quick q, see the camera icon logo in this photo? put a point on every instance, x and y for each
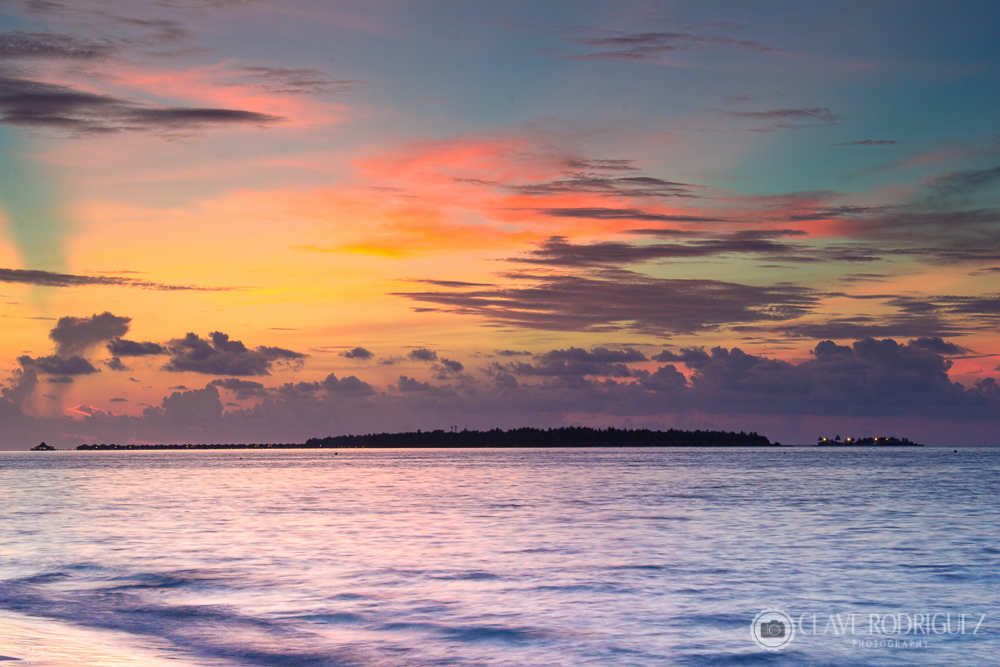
(772, 629)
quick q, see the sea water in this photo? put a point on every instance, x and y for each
(499, 557)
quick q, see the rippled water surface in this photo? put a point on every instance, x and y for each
(497, 557)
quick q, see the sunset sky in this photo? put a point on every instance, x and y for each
(240, 221)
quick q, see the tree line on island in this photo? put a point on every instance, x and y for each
(570, 436)
(880, 441)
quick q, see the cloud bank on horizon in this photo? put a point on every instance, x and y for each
(664, 215)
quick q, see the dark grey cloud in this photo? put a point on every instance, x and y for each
(452, 283)
(297, 390)
(556, 251)
(423, 354)
(218, 355)
(601, 213)
(785, 119)
(348, 385)
(130, 348)
(652, 46)
(663, 379)
(115, 364)
(295, 80)
(41, 105)
(858, 385)
(25, 380)
(863, 278)
(57, 365)
(409, 385)
(357, 353)
(53, 279)
(868, 142)
(613, 165)
(513, 353)
(840, 212)
(869, 377)
(46, 45)
(450, 366)
(616, 300)
(621, 186)
(820, 114)
(965, 182)
(936, 233)
(938, 345)
(893, 325)
(985, 306)
(577, 362)
(118, 399)
(194, 407)
(242, 389)
(76, 334)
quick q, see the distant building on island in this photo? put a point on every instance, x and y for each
(881, 441)
(43, 448)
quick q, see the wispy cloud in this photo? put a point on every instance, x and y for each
(45, 45)
(607, 45)
(618, 300)
(786, 119)
(294, 80)
(868, 142)
(53, 279)
(37, 104)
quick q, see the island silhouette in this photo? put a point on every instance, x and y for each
(880, 441)
(568, 437)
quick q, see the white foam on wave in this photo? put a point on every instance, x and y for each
(29, 641)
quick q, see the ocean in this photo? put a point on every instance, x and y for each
(513, 557)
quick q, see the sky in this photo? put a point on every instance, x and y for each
(254, 221)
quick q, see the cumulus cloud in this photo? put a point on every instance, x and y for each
(242, 388)
(347, 385)
(871, 384)
(447, 368)
(451, 365)
(409, 385)
(218, 355)
(423, 354)
(130, 348)
(358, 353)
(24, 383)
(193, 407)
(58, 366)
(76, 334)
(871, 376)
(577, 361)
(115, 364)
(936, 344)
